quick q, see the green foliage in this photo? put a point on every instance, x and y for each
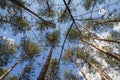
(114, 35)
(52, 71)
(68, 55)
(12, 78)
(68, 75)
(53, 64)
(48, 13)
(73, 35)
(112, 62)
(20, 17)
(21, 22)
(96, 63)
(7, 50)
(30, 48)
(80, 52)
(3, 3)
(87, 4)
(20, 25)
(2, 71)
(25, 74)
(64, 16)
(53, 37)
(47, 9)
(46, 25)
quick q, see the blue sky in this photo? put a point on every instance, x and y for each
(63, 27)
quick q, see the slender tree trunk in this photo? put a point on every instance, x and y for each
(46, 65)
(83, 74)
(115, 41)
(13, 66)
(105, 77)
(114, 55)
(78, 66)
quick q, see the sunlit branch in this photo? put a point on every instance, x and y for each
(94, 67)
(114, 55)
(97, 38)
(13, 66)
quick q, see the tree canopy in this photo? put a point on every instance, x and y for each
(59, 39)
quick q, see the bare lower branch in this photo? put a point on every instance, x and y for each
(27, 9)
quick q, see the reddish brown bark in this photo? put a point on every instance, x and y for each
(46, 65)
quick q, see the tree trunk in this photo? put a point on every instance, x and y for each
(78, 66)
(114, 55)
(13, 66)
(114, 41)
(83, 74)
(105, 77)
(46, 65)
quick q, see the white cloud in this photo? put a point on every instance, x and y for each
(101, 11)
(116, 27)
(8, 40)
(11, 41)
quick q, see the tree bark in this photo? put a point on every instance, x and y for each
(13, 66)
(115, 41)
(83, 74)
(46, 65)
(114, 55)
(97, 69)
(78, 66)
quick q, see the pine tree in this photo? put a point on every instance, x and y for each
(52, 33)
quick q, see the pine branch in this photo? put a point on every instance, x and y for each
(27, 9)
